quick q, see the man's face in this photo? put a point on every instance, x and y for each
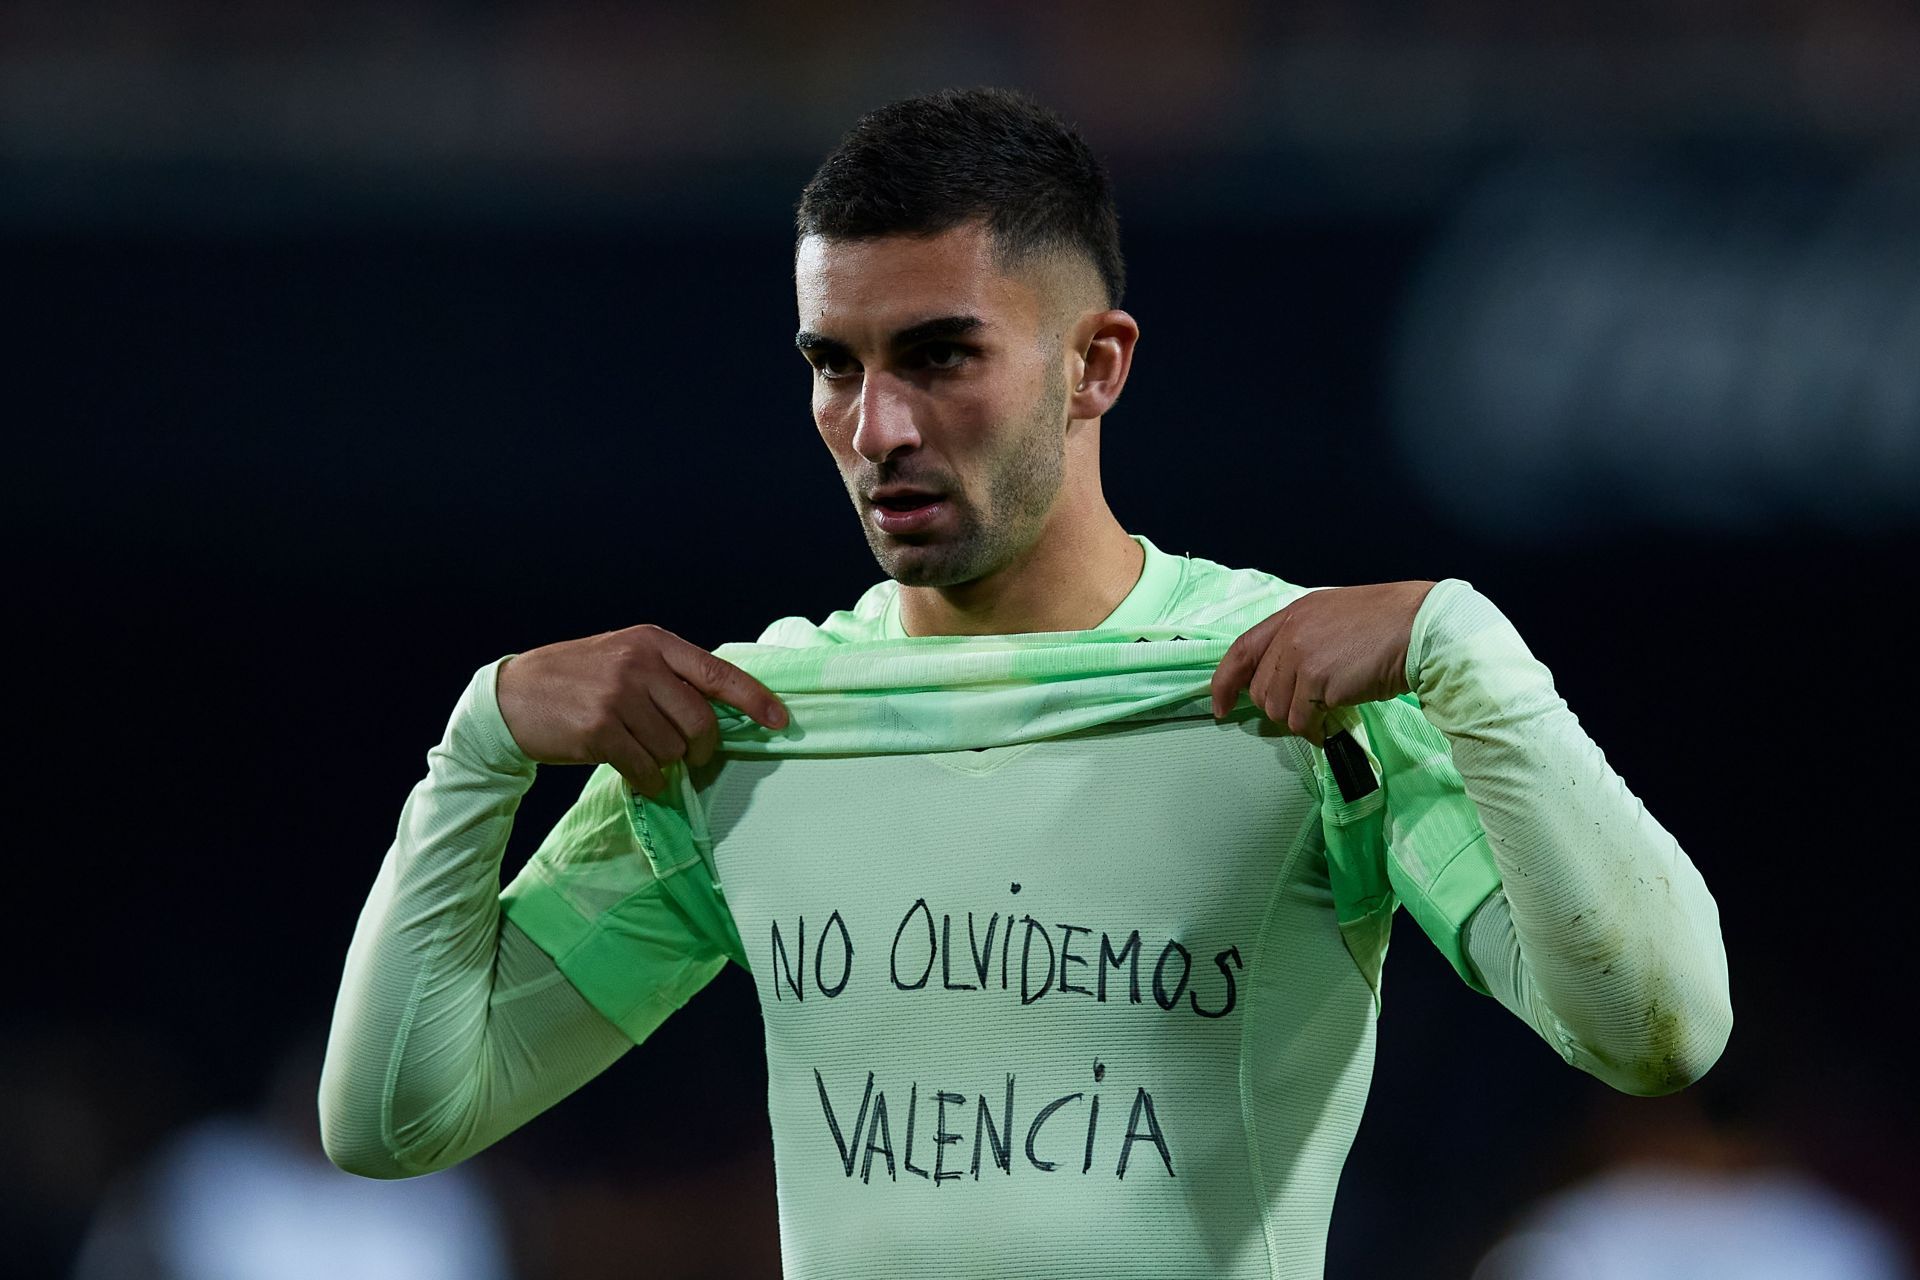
(936, 374)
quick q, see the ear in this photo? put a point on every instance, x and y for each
(1102, 355)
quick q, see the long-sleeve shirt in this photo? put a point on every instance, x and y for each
(1162, 1078)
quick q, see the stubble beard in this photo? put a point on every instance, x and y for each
(993, 529)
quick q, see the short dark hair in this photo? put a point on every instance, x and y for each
(923, 165)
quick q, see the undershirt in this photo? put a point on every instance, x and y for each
(1071, 1006)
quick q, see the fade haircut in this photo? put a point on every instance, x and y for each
(924, 165)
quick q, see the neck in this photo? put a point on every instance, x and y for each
(1074, 575)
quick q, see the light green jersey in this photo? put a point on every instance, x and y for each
(1096, 998)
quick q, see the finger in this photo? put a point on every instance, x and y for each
(658, 736)
(1307, 711)
(690, 714)
(1272, 684)
(620, 749)
(718, 678)
(1238, 663)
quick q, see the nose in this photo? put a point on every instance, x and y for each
(885, 425)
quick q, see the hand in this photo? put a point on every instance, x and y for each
(636, 699)
(1334, 647)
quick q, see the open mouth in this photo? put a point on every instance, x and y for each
(909, 512)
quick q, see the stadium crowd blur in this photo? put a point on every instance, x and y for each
(356, 345)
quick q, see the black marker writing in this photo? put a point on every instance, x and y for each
(993, 1135)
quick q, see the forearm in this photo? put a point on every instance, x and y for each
(1604, 936)
(450, 1030)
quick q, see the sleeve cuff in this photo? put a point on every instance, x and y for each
(1466, 663)
(1441, 606)
(479, 714)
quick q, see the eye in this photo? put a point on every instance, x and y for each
(834, 365)
(943, 355)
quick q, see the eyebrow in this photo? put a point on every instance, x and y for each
(941, 327)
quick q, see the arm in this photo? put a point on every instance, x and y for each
(1603, 937)
(452, 1028)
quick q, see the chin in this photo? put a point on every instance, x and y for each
(924, 565)
(911, 567)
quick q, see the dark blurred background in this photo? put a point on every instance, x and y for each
(356, 345)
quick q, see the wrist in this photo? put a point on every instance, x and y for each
(494, 738)
(1430, 641)
(1468, 666)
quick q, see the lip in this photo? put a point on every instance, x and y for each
(885, 492)
(911, 521)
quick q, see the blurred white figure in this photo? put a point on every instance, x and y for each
(243, 1197)
(1661, 1221)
